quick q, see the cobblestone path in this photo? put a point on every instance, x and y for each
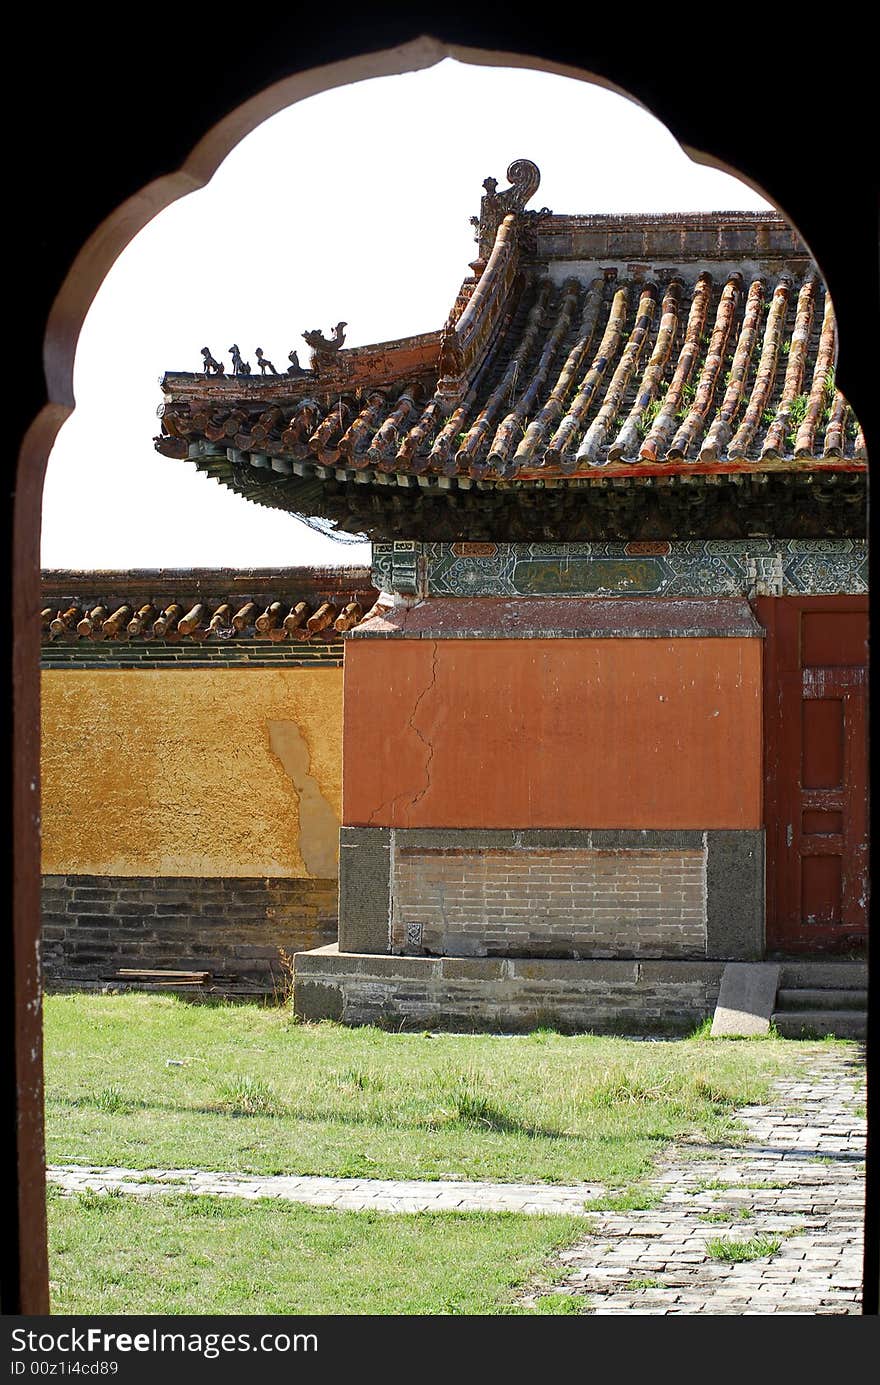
(799, 1177)
(353, 1194)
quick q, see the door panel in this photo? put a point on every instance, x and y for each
(816, 773)
(821, 890)
(832, 638)
(822, 727)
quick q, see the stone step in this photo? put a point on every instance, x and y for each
(837, 975)
(812, 1024)
(821, 998)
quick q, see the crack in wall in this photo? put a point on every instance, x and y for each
(427, 744)
(390, 803)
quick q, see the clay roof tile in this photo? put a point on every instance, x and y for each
(582, 352)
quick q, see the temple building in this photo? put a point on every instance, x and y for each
(601, 723)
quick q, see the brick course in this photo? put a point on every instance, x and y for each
(554, 902)
(94, 925)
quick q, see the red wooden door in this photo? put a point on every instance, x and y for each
(816, 799)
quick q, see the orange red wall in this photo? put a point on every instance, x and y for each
(623, 733)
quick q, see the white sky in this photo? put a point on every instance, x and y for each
(352, 205)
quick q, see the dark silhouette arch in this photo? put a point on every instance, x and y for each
(122, 132)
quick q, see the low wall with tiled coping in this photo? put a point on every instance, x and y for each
(95, 925)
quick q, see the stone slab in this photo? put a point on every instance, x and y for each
(735, 894)
(364, 889)
(746, 999)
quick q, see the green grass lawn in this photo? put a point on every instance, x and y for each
(182, 1254)
(148, 1080)
(153, 1081)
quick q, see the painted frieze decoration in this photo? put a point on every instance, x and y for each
(706, 567)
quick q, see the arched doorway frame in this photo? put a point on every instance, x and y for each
(25, 1271)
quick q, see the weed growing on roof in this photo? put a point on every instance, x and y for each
(828, 392)
(796, 414)
(647, 419)
(688, 393)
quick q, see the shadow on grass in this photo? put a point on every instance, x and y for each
(488, 1118)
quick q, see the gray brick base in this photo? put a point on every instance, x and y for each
(568, 893)
(233, 927)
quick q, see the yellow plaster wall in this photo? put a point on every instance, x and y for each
(211, 772)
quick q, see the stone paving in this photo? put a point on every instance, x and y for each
(797, 1178)
(353, 1194)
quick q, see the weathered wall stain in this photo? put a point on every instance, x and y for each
(318, 820)
(150, 772)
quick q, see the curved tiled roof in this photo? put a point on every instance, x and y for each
(591, 367)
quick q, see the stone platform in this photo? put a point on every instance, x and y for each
(509, 994)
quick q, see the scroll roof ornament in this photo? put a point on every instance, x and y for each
(525, 178)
